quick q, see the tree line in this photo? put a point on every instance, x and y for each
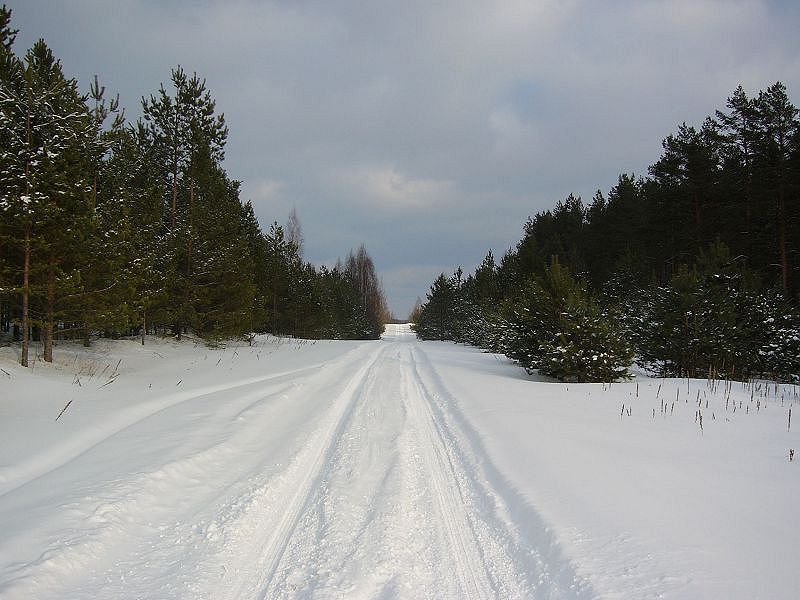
(694, 269)
(115, 228)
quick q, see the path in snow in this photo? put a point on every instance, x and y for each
(358, 479)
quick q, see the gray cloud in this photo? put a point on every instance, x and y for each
(429, 131)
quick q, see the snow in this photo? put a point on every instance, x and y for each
(385, 469)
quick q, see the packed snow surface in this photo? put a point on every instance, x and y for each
(385, 469)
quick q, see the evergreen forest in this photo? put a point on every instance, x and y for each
(691, 271)
(116, 228)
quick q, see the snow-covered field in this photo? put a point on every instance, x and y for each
(386, 469)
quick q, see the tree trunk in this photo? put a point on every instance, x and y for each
(174, 195)
(50, 313)
(144, 324)
(697, 219)
(274, 313)
(784, 255)
(26, 269)
(94, 192)
(175, 163)
(189, 233)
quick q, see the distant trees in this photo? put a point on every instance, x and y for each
(295, 231)
(108, 228)
(550, 323)
(361, 274)
(416, 311)
(695, 267)
(435, 320)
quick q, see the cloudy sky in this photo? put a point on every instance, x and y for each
(429, 131)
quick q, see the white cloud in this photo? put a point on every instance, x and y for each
(698, 15)
(515, 138)
(404, 281)
(460, 117)
(387, 188)
(267, 190)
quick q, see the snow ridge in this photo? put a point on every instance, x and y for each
(295, 490)
(15, 476)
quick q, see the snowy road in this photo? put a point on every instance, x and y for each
(354, 478)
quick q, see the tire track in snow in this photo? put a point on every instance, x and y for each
(226, 434)
(370, 529)
(391, 496)
(518, 546)
(291, 495)
(473, 579)
(399, 510)
(14, 477)
(325, 525)
(101, 520)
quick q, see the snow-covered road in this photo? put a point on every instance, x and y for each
(385, 469)
(353, 478)
(383, 501)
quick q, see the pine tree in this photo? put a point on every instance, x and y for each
(738, 137)
(259, 254)
(9, 65)
(7, 35)
(776, 148)
(222, 269)
(280, 255)
(435, 321)
(678, 262)
(43, 178)
(553, 326)
(190, 138)
(133, 179)
(688, 174)
(95, 295)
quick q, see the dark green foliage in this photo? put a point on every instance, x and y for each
(343, 315)
(779, 354)
(587, 347)
(697, 264)
(559, 330)
(712, 321)
(108, 229)
(7, 35)
(551, 324)
(436, 317)
(48, 136)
